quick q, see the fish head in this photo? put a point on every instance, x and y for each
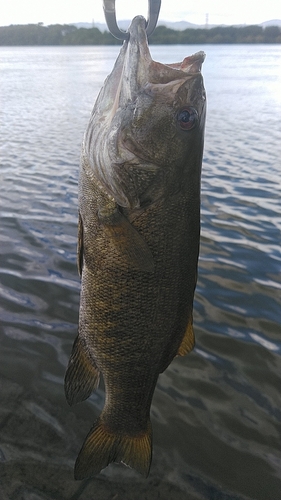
(145, 137)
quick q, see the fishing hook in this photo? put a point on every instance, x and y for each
(110, 16)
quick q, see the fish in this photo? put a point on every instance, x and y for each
(138, 245)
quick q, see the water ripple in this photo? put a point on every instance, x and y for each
(216, 413)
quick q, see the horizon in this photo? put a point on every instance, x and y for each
(93, 23)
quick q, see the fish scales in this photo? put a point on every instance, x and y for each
(138, 244)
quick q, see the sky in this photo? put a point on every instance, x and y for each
(70, 11)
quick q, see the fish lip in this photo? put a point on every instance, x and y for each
(139, 68)
(137, 29)
(137, 60)
(191, 64)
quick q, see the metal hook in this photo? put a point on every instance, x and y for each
(110, 16)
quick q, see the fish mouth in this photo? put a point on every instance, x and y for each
(136, 70)
(114, 139)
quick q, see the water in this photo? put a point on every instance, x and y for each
(216, 413)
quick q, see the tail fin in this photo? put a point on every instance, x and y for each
(101, 447)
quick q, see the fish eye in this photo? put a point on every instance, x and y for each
(187, 118)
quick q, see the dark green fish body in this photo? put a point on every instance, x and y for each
(139, 228)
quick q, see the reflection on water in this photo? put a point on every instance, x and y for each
(216, 413)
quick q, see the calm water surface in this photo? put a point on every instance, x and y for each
(216, 413)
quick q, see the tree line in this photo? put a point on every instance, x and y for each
(57, 34)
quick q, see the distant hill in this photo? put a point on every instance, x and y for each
(124, 24)
(273, 22)
(179, 25)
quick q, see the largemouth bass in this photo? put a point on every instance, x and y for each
(138, 244)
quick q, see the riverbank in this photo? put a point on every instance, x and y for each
(57, 34)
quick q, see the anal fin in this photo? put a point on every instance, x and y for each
(101, 447)
(188, 340)
(82, 376)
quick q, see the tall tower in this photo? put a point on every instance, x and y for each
(207, 22)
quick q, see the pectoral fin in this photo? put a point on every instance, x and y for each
(188, 340)
(126, 239)
(82, 376)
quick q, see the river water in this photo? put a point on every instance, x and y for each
(216, 413)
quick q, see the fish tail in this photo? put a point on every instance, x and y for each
(101, 447)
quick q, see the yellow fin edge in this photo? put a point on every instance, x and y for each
(101, 447)
(188, 340)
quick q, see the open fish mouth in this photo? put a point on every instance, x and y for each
(135, 70)
(123, 115)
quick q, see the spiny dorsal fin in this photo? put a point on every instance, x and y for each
(101, 447)
(82, 376)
